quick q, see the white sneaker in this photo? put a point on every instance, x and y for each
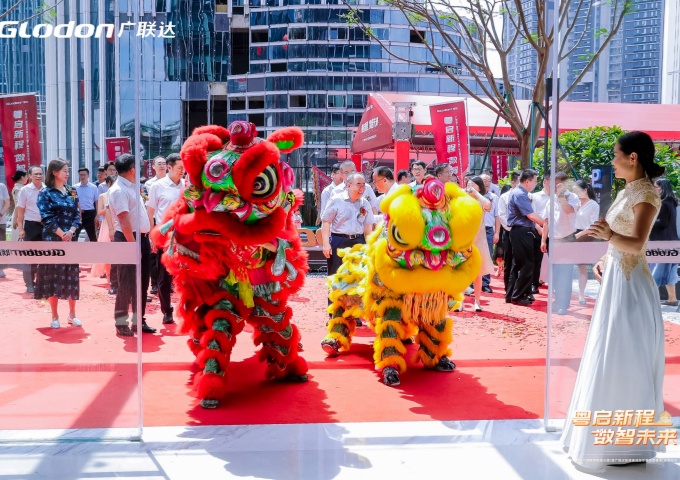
(469, 291)
(477, 307)
(74, 321)
(55, 323)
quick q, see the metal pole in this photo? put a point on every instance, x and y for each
(553, 154)
(138, 249)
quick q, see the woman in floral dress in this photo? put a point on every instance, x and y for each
(58, 205)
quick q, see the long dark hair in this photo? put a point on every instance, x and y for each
(642, 144)
(585, 186)
(666, 190)
(54, 166)
(18, 175)
(480, 183)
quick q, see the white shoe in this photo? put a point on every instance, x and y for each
(55, 323)
(74, 321)
(469, 291)
(477, 307)
(460, 307)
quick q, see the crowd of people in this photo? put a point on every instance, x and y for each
(48, 208)
(514, 237)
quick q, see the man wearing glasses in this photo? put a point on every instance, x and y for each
(418, 170)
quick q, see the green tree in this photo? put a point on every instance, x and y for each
(478, 31)
(595, 146)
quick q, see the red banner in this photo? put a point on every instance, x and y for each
(116, 146)
(499, 167)
(375, 129)
(20, 134)
(451, 136)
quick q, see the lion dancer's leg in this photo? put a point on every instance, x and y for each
(279, 339)
(341, 328)
(216, 342)
(434, 340)
(388, 347)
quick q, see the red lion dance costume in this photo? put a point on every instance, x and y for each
(234, 252)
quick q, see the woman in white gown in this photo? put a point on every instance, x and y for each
(623, 361)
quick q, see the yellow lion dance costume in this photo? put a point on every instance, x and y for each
(407, 277)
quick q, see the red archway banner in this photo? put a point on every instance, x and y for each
(20, 134)
(451, 136)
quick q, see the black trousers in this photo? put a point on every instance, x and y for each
(32, 233)
(127, 285)
(523, 242)
(337, 243)
(88, 218)
(507, 260)
(164, 284)
(155, 262)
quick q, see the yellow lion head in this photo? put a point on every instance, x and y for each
(426, 245)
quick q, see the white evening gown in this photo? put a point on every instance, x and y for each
(623, 360)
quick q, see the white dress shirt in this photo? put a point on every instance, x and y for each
(162, 194)
(503, 209)
(368, 195)
(125, 197)
(326, 195)
(587, 214)
(346, 217)
(28, 200)
(565, 223)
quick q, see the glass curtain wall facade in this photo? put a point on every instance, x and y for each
(22, 61)
(89, 86)
(305, 66)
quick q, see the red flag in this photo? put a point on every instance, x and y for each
(451, 136)
(20, 134)
(116, 146)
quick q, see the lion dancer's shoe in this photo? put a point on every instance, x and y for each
(340, 331)
(434, 340)
(216, 344)
(280, 342)
(388, 347)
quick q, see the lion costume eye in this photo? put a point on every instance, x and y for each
(216, 169)
(266, 182)
(397, 236)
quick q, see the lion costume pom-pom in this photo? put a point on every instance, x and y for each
(234, 252)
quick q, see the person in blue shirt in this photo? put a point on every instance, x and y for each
(60, 213)
(523, 239)
(87, 199)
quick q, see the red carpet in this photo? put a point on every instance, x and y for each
(73, 378)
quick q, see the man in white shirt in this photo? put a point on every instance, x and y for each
(162, 195)
(160, 166)
(492, 225)
(493, 188)
(28, 219)
(348, 168)
(4, 207)
(418, 171)
(444, 173)
(565, 205)
(505, 234)
(87, 199)
(539, 200)
(347, 220)
(383, 179)
(337, 178)
(129, 220)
